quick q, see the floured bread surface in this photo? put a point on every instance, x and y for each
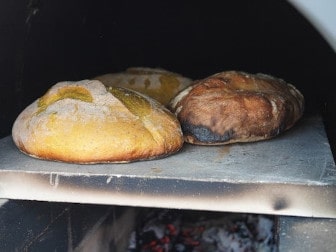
(235, 106)
(86, 122)
(157, 83)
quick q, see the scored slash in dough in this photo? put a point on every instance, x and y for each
(87, 122)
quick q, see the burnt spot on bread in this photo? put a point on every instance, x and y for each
(204, 134)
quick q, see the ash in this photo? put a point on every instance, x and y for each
(163, 230)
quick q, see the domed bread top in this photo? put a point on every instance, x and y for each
(86, 122)
(232, 106)
(157, 83)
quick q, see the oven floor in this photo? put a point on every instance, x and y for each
(293, 174)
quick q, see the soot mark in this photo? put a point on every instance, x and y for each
(204, 134)
(280, 204)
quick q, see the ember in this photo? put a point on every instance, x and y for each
(177, 230)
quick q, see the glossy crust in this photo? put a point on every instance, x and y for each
(157, 83)
(232, 106)
(86, 122)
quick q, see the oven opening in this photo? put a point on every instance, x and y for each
(288, 190)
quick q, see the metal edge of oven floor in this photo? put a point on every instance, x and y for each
(293, 174)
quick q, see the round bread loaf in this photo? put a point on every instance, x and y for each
(233, 106)
(157, 83)
(87, 122)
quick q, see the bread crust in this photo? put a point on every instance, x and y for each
(160, 84)
(234, 106)
(86, 122)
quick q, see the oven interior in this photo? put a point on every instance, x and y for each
(43, 42)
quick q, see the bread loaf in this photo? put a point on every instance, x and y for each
(157, 83)
(86, 122)
(233, 106)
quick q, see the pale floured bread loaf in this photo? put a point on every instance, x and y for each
(235, 106)
(157, 83)
(87, 122)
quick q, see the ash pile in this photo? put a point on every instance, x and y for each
(163, 230)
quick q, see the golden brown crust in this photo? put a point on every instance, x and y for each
(235, 106)
(85, 122)
(157, 83)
